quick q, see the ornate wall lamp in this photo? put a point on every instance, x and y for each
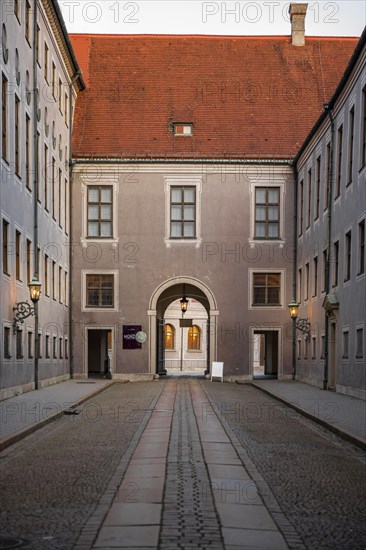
(302, 324)
(23, 310)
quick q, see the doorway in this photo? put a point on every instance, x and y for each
(100, 352)
(265, 354)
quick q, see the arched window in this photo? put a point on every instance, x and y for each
(194, 338)
(169, 336)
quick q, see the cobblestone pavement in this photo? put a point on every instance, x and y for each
(51, 482)
(317, 479)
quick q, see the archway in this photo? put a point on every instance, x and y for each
(162, 297)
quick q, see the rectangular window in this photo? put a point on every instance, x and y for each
(60, 278)
(345, 344)
(60, 198)
(28, 21)
(47, 347)
(181, 129)
(317, 189)
(66, 206)
(38, 261)
(315, 276)
(307, 275)
(299, 349)
(267, 212)
(359, 343)
(100, 211)
(60, 95)
(339, 161)
(19, 344)
(53, 189)
(66, 349)
(100, 291)
(327, 176)
(336, 263)
(301, 207)
(54, 347)
(30, 345)
(7, 354)
(183, 212)
(60, 350)
(27, 152)
(28, 260)
(38, 53)
(4, 100)
(363, 130)
(66, 112)
(347, 256)
(5, 247)
(46, 177)
(54, 83)
(361, 247)
(323, 347)
(53, 279)
(306, 348)
(313, 347)
(299, 286)
(325, 268)
(66, 289)
(39, 345)
(266, 289)
(46, 283)
(45, 65)
(17, 136)
(308, 217)
(17, 255)
(351, 137)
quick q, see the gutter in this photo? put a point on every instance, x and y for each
(93, 160)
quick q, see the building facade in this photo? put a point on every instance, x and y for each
(40, 81)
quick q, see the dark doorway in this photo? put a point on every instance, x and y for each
(99, 352)
(265, 354)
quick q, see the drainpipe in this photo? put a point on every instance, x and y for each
(35, 194)
(294, 269)
(70, 163)
(328, 108)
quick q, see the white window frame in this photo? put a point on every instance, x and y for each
(253, 184)
(113, 272)
(97, 180)
(182, 181)
(282, 272)
(346, 330)
(358, 327)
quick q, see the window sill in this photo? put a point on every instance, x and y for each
(195, 241)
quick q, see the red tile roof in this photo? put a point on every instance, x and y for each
(247, 97)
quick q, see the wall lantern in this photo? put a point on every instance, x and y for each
(23, 310)
(302, 324)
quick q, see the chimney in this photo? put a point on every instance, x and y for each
(297, 16)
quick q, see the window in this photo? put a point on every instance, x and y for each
(317, 189)
(66, 110)
(183, 129)
(46, 177)
(313, 347)
(28, 21)
(306, 348)
(322, 355)
(169, 337)
(60, 284)
(336, 262)
(266, 289)
(183, 213)
(327, 186)
(17, 9)
(66, 290)
(19, 344)
(53, 83)
(28, 260)
(309, 199)
(60, 95)
(301, 207)
(38, 53)
(100, 291)
(7, 354)
(299, 348)
(53, 198)
(345, 344)
(60, 350)
(339, 161)
(6, 247)
(53, 279)
(194, 338)
(4, 100)
(325, 270)
(307, 275)
(359, 343)
(54, 347)
(351, 136)
(47, 346)
(347, 256)
(66, 348)
(27, 152)
(299, 289)
(38, 146)
(66, 206)
(267, 212)
(17, 255)
(46, 287)
(45, 66)
(30, 345)
(39, 345)
(60, 198)
(17, 135)
(100, 211)
(315, 276)
(361, 247)
(363, 130)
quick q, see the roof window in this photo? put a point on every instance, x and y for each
(183, 129)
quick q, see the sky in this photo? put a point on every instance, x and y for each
(324, 18)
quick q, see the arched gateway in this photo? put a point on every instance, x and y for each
(163, 296)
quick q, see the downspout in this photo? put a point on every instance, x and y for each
(35, 194)
(70, 166)
(328, 108)
(294, 268)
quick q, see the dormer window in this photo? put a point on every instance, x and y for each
(183, 129)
